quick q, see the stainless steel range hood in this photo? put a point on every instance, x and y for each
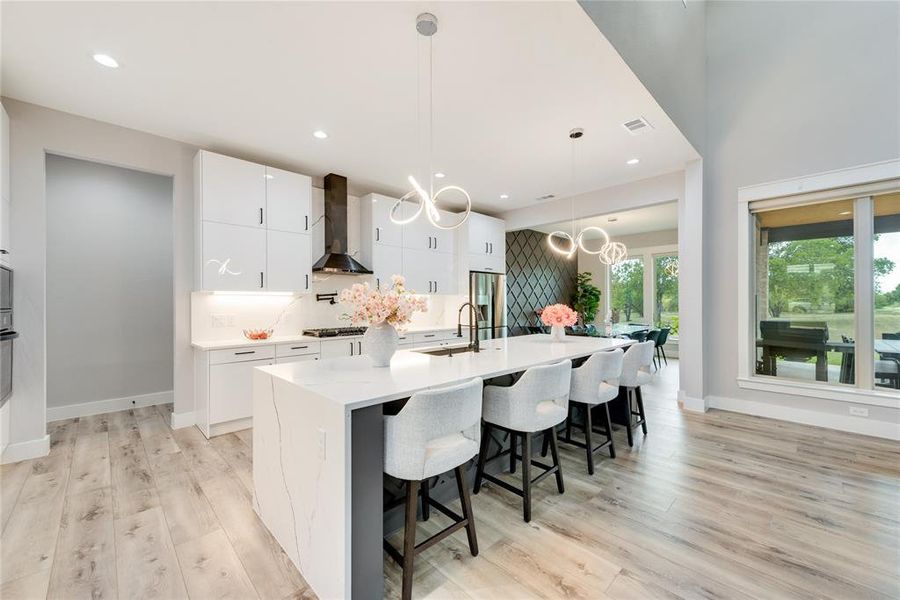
(336, 260)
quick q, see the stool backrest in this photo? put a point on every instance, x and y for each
(637, 357)
(600, 367)
(519, 402)
(427, 416)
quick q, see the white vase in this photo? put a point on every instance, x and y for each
(557, 333)
(381, 342)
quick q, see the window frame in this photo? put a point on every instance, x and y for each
(859, 184)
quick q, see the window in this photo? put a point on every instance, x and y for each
(886, 290)
(825, 301)
(626, 282)
(665, 291)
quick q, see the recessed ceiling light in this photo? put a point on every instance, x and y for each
(633, 161)
(319, 134)
(106, 60)
(504, 196)
(269, 176)
(612, 219)
(439, 175)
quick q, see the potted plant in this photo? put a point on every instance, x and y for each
(558, 317)
(587, 298)
(382, 312)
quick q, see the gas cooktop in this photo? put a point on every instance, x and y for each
(334, 331)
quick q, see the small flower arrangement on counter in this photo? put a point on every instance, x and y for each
(382, 312)
(558, 317)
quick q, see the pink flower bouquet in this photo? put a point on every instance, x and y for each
(559, 315)
(370, 306)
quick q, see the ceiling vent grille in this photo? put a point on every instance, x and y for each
(545, 197)
(637, 126)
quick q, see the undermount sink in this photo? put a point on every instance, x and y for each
(446, 350)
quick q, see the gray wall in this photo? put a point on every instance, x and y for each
(109, 282)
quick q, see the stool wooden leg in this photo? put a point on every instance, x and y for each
(466, 503)
(409, 537)
(426, 506)
(526, 476)
(630, 418)
(612, 445)
(640, 404)
(482, 456)
(554, 450)
(587, 439)
(545, 445)
(569, 424)
(512, 452)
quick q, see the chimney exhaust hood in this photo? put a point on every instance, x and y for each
(336, 260)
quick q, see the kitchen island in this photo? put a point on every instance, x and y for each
(318, 448)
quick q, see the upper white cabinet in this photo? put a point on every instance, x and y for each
(386, 262)
(4, 186)
(429, 272)
(288, 263)
(288, 199)
(483, 244)
(376, 227)
(233, 257)
(252, 226)
(231, 190)
(422, 235)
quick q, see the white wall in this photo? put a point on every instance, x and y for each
(34, 131)
(109, 282)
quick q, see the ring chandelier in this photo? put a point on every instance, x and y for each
(609, 253)
(426, 26)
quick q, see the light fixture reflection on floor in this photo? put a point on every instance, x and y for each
(427, 25)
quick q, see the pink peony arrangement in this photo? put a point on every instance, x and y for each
(559, 315)
(371, 306)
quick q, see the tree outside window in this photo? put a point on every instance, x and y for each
(627, 291)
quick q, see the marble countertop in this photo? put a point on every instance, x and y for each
(354, 383)
(242, 342)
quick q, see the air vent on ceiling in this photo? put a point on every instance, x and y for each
(637, 126)
(545, 197)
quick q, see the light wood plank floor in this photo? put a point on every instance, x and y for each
(719, 505)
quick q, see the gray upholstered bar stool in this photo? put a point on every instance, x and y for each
(435, 432)
(590, 388)
(537, 402)
(635, 373)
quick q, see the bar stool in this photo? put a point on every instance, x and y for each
(537, 402)
(435, 432)
(590, 389)
(636, 372)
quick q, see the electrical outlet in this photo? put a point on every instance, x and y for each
(322, 441)
(859, 411)
(229, 320)
(219, 320)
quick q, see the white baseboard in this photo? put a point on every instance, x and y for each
(851, 424)
(55, 413)
(185, 419)
(692, 404)
(26, 450)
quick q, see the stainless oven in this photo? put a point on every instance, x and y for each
(7, 334)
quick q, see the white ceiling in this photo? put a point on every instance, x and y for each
(256, 79)
(659, 217)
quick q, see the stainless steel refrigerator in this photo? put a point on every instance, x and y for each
(487, 291)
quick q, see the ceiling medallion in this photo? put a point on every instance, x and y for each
(426, 26)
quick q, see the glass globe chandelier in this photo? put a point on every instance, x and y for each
(426, 200)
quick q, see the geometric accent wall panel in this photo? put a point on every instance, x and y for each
(535, 277)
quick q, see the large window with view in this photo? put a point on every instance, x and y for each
(826, 299)
(665, 292)
(626, 291)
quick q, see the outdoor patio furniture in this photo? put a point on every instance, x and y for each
(796, 341)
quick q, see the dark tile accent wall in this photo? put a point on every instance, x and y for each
(535, 277)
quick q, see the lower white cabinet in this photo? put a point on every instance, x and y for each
(342, 347)
(231, 390)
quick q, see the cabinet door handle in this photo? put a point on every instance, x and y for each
(299, 347)
(306, 223)
(435, 287)
(429, 287)
(260, 216)
(378, 234)
(429, 242)
(351, 348)
(260, 279)
(485, 247)
(307, 281)
(359, 347)
(245, 352)
(429, 335)
(488, 269)
(435, 243)
(377, 283)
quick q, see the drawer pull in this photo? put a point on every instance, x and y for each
(245, 352)
(429, 335)
(299, 347)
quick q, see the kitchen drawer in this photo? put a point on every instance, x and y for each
(434, 336)
(296, 349)
(281, 360)
(218, 357)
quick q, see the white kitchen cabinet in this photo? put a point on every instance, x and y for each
(339, 347)
(382, 229)
(485, 236)
(293, 359)
(288, 200)
(422, 235)
(232, 190)
(429, 272)
(288, 262)
(231, 390)
(386, 262)
(233, 257)
(4, 186)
